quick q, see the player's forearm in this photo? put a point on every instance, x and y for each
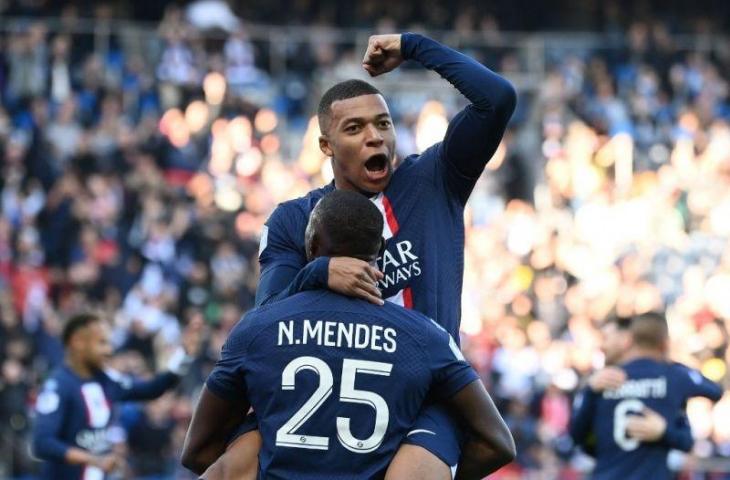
(278, 283)
(678, 436)
(490, 445)
(201, 460)
(50, 448)
(474, 133)
(479, 460)
(484, 88)
(151, 389)
(79, 456)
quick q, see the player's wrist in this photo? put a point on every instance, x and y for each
(95, 461)
(408, 40)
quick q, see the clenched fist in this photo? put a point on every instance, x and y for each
(383, 54)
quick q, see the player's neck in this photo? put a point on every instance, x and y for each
(78, 367)
(345, 185)
(635, 353)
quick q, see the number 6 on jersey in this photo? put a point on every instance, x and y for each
(286, 436)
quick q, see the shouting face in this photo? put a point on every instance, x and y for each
(360, 138)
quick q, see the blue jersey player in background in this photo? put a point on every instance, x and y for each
(338, 382)
(629, 420)
(75, 406)
(422, 202)
(650, 426)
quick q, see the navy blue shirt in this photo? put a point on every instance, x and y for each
(76, 412)
(336, 382)
(662, 386)
(423, 205)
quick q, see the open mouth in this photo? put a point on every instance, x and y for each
(377, 163)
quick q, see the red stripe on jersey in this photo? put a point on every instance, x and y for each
(390, 216)
(407, 297)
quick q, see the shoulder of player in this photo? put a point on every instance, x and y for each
(683, 371)
(56, 380)
(413, 161)
(413, 322)
(60, 378)
(257, 319)
(301, 206)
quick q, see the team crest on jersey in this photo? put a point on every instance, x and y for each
(47, 402)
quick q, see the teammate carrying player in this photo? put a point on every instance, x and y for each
(75, 406)
(422, 202)
(630, 418)
(338, 382)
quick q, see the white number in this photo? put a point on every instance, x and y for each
(348, 393)
(286, 436)
(620, 415)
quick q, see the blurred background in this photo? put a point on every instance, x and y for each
(144, 143)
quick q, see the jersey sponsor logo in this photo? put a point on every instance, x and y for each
(337, 334)
(94, 440)
(399, 264)
(98, 411)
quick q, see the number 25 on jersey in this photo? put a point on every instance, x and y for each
(286, 436)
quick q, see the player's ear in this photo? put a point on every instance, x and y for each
(312, 246)
(325, 146)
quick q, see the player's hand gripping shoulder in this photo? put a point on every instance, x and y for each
(383, 54)
(354, 278)
(609, 378)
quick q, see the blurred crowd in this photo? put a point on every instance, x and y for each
(139, 190)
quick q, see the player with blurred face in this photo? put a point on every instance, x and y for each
(74, 407)
(90, 349)
(615, 340)
(632, 412)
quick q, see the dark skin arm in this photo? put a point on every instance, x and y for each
(213, 420)
(490, 445)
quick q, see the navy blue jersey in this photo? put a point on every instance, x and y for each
(663, 387)
(423, 205)
(335, 382)
(76, 412)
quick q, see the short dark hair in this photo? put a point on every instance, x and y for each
(649, 330)
(341, 91)
(352, 223)
(76, 323)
